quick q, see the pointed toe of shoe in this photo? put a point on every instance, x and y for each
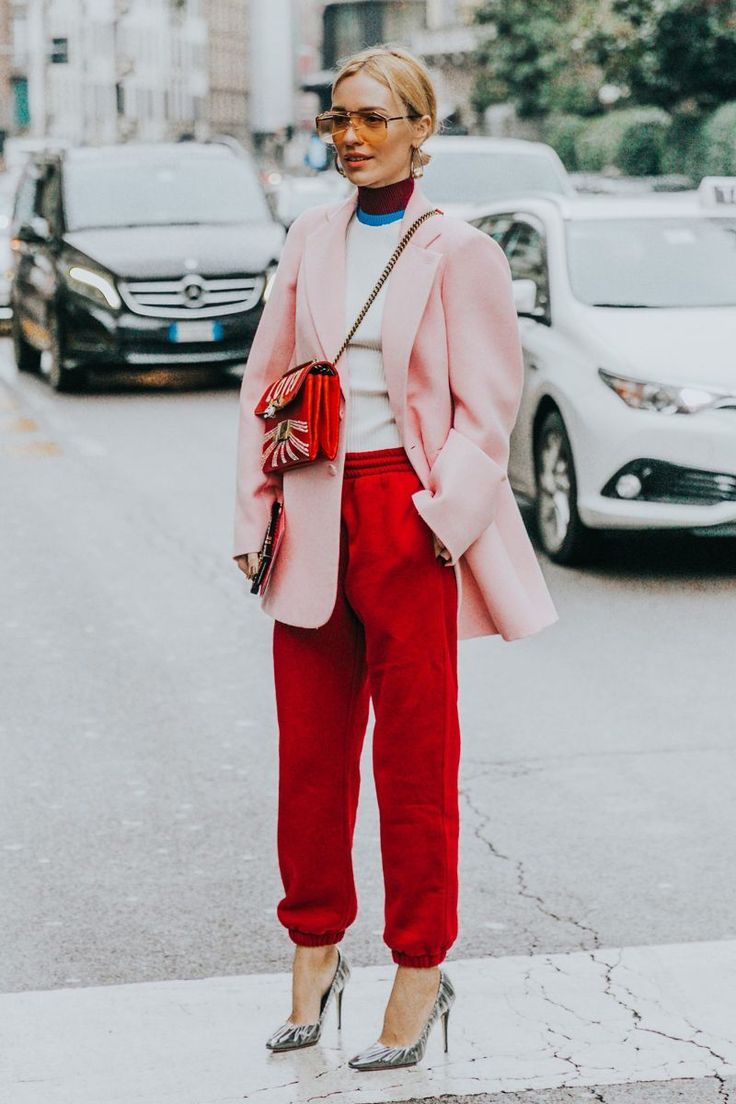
(378, 1057)
(292, 1036)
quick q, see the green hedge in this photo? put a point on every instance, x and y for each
(561, 132)
(632, 139)
(646, 141)
(719, 134)
(685, 149)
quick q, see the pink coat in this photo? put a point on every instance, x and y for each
(454, 373)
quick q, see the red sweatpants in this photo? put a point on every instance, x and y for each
(392, 636)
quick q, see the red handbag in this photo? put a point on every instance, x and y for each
(301, 409)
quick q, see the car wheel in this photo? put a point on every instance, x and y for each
(60, 377)
(563, 536)
(27, 359)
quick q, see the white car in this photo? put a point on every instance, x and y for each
(627, 317)
(467, 173)
(8, 181)
(294, 194)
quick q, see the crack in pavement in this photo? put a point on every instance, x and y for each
(555, 1035)
(521, 879)
(638, 1025)
(477, 832)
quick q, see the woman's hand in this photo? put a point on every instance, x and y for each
(248, 563)
(440, 550)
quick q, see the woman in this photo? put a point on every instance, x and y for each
(409, 539)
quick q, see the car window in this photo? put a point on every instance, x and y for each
(162, 190)
(459, 176)
(653, 262)
(527, 256)
(496, 226)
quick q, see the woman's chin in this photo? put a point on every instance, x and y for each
(363, 172)
(365, 179)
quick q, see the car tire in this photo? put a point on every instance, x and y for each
(562, 535)
(59, 377)
(27, 359)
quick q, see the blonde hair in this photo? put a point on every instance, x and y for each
(403, 74)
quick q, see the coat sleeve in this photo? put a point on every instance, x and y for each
(486, 375)
(270, 355)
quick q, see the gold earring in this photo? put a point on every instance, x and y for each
(417, 169)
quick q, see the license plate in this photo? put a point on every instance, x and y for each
(195, 331)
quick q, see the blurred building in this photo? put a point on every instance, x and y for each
(6, 86)
(110, 70)
(228, 26)
(351, 25)
(447, 44)
(272, 63)
(441, 32)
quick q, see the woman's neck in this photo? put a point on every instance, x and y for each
(387, 198)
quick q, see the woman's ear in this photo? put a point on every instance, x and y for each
(423, 126)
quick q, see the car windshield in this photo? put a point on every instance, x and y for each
(162, 192)
(465, 177)
(653, 262)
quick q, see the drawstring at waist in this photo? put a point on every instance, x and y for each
(375, 461)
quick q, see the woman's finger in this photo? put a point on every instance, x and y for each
(248, 563)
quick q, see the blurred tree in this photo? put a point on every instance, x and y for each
(557, 55)
(522, 58)
(539, 55)
(669, 51)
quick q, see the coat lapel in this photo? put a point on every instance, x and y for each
(406, 290)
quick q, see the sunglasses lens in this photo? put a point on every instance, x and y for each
(325, 128)
(373, 129)
(369, 128)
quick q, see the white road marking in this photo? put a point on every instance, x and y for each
(611, 1016)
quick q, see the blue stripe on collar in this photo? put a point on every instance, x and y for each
(378, 220)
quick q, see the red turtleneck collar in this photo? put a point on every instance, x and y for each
(386, 199)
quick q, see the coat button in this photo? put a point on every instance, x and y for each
(332, 469)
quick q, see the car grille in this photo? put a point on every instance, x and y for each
(192, 296)
(665, 482)
(699, 487)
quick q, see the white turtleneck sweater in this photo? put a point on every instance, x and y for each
(370, 420)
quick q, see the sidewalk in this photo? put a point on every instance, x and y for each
(614, 1016)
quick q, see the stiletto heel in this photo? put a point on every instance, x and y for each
(378, 1056)
(294, 1036)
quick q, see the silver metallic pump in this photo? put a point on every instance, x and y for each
(291, 1036)
(378, 1056)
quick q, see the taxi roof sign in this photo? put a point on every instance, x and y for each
(717, 191)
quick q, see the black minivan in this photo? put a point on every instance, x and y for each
(139, 256)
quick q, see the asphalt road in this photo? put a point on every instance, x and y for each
(138, 742)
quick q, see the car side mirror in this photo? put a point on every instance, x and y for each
(34, 231)
(525, 298)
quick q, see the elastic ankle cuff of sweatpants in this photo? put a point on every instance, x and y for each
(402, 959)
(306, 939)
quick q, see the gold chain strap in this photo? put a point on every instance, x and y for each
(382, 278)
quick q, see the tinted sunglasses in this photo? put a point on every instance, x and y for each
(369, 126)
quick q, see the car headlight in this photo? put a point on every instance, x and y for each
(270, 275)
(95, 285)
(663, 398)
